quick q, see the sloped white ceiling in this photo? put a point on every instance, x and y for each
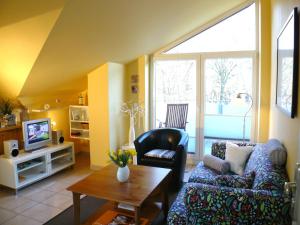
(92, 32)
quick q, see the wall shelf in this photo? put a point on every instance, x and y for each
(79, 122)
(80, 129)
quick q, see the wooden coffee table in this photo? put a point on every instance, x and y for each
(143, 181)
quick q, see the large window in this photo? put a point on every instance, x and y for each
(236, 33)
(207, 72)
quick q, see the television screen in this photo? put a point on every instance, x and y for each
(37, 132)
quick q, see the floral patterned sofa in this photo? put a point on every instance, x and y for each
(200, 201)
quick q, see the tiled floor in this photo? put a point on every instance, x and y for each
(43, 200)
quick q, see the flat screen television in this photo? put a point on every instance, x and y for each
(36, 133)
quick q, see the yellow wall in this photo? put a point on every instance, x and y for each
(58, 113)
(143, 94)
(281, 126)
(99, 115)
(117, 93)
(264, 71)
(139, 67)
(35, 116)
(131, 69)
(106, 92)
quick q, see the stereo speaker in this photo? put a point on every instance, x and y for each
(57, 137)
(11, 148)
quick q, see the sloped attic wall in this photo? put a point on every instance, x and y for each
(21, 40)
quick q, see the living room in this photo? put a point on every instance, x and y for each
(87, 65)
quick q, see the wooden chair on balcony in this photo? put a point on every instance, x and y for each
(176, 116)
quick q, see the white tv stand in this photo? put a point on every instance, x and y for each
(29, 167)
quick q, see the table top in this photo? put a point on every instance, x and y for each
(143, 180)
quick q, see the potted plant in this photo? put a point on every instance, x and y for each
(6, 109)
(121, 158)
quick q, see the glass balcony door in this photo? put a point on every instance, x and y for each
(215, 113)
(175, 82)
(224, 113)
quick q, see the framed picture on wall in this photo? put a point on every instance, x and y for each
(287, 65)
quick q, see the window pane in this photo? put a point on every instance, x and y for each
(236, 33)
(175, 83)
(224, 112)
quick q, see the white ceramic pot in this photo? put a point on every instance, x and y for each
(123, 174)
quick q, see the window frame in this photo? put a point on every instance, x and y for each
(200, 57)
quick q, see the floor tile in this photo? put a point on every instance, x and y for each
(12, 202)
(57, 186)
(41, 212)
(66, 205)
(25, 206)
(40, 196)
(28, 191)
(57, 200)
(22, 220)
(66, 193)
(6, 215)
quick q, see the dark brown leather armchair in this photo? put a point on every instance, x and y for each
(167, 139)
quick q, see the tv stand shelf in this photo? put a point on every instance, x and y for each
(29, 167)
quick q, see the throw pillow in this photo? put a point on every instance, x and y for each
(161, 153)
(236, 181)
(216, 163)
(277, 152)
(237, 157)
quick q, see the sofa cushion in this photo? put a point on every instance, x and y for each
(216, 163)
(161, 153)
(237, 157)
(267, 175)
(235, 181)
(203, 174)
(177, 212)
(158, 162)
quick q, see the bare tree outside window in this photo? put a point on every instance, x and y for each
(175, 86)
(224, 71)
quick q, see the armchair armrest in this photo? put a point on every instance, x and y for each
(208, 203)
(183, 141)
(143, 144)
(181, 148)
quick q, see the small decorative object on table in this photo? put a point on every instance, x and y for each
(132, 109)
(121, 159)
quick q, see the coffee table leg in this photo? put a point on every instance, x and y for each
(137, 215)
(76, 202)
(165, 200)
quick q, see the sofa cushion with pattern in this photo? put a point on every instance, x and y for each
(203, 174)
(218, 149)
(235, 181)
(177, 212)
(267, 176)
